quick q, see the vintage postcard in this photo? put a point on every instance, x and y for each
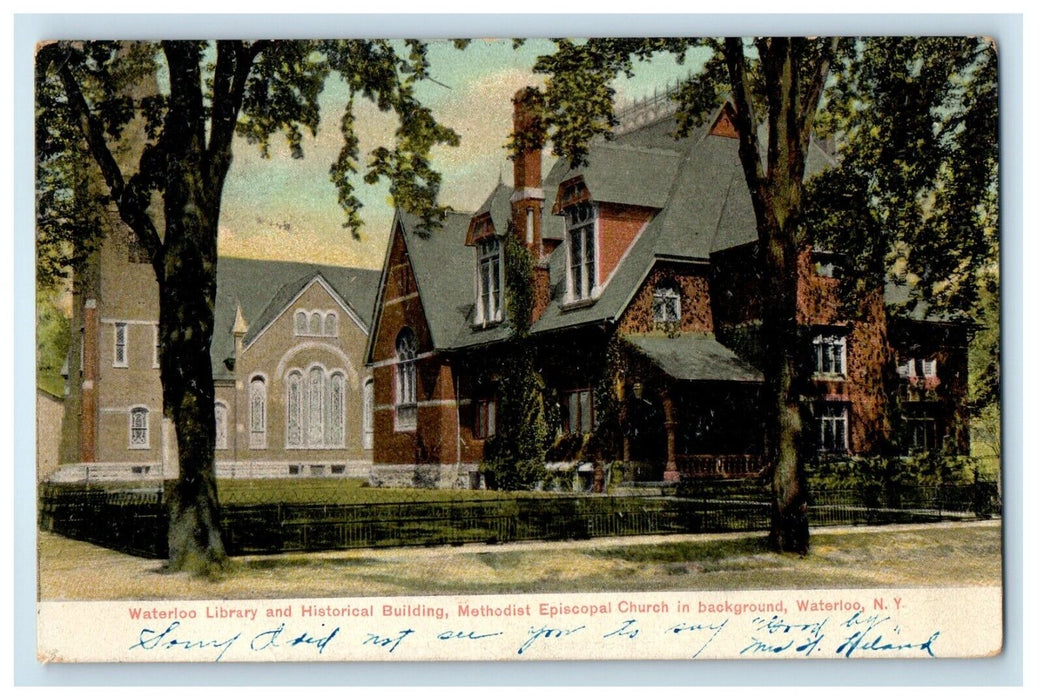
(666, 348)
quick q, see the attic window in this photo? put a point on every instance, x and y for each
(490, 305)
(316, 323)
(580, 271)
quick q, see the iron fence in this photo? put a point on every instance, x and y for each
(135, 521)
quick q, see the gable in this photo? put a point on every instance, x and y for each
(724, 125)
(399, 303)
(315, 299)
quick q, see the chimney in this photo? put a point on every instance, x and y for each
(528, 197)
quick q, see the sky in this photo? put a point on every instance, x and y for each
(282, 208)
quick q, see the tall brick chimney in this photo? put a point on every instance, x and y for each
(528, 197)
(527, 201)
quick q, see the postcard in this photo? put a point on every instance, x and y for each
(378, 350)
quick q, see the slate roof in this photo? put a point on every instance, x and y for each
(263, 288)
(498, 206)
(695, 184)
(622, 173)
(444, 269)
(695, 358)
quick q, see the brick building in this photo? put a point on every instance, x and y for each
(292, 393)
(645, 255)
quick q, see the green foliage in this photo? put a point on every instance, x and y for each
(917, 125)
(514, 457)
(52, 341)
(882, 475)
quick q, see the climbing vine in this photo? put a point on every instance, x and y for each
(514, 457)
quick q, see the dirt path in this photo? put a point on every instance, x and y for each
(955, 554)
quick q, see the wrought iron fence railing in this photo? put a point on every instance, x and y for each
(135, 521)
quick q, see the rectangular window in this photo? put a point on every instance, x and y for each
(830, 354)
(119, 350)
(579, 411)
(921, 434)
(919, 367)
(155, 347)
(833, 428)
(581, 234)
(220, 426)
(485, 418)
(367, 415)
(490, 279)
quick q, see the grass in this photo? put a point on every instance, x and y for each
(326, 491)
(967, 554)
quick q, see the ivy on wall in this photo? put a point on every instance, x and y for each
(514, 457)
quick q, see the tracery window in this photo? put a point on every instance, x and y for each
(406, 380)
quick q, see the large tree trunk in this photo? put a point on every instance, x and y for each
(783, 343)
(188, 285)
(776, 189)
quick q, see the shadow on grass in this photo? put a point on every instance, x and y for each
(685, 552)
(282, 562)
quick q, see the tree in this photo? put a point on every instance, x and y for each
(179, 104)
(781, 83)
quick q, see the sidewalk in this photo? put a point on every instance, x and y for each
(896, 555)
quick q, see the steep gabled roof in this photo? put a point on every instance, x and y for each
(625, 174)
(444, 269)
(498, 206)
(262, 288)
(695, 185)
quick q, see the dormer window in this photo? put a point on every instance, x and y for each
(490, 304)
(580, 230)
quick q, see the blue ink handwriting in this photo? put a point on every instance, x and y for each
(624, 631)
(687, 627)
(546, 633)
(452, 634)
(391, 642)
(860, 640)
(148, 640)
(269, 638)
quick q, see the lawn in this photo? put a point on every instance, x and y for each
(950, 554)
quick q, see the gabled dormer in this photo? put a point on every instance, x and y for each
(605, 206)
(489, 272)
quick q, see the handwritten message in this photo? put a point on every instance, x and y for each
(793, 625)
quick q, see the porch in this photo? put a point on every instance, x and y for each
(692, 405)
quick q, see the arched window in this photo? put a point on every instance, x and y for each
(220, 426)
(315, 323)
(367, 415)
(314, 428)
(335, 412)
(406, 380)
(315, 408)
(300, 323)
(258, 419)
(330, 324)
(666, 303)
(139, 428)
(293, 409)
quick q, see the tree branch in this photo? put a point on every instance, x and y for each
(745, 125)
(128, 198)
(815, 88)
(235, 60)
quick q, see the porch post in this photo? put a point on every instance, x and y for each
(671, 470)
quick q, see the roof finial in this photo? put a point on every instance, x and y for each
(500, 176)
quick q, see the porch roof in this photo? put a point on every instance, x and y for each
(695, 358)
